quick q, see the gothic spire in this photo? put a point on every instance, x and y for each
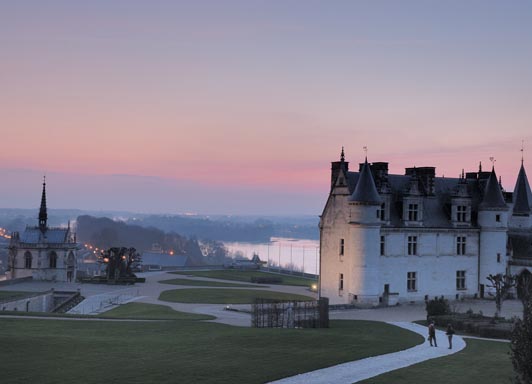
(43, 215)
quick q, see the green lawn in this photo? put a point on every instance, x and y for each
(231, 274)
(205, 283)
(13, 294)
(182, 351)
(225, 296)
(151, 312)
(480, 362)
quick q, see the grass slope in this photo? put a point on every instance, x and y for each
(480, 362)
(236, 275)
(182, 351)
(151, 312)
(205, 283)
(225, 296)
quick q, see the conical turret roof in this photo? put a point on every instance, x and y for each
(492, 193)
(521, 194)
(365, 191)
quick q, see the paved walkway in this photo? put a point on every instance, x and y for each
(359, 370)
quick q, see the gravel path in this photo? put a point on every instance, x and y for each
(359, 370)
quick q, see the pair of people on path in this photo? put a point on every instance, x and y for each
(432, 334)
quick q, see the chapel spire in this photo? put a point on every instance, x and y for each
(43, 214)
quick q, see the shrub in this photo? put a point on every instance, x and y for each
(266, 280)
(437, 307)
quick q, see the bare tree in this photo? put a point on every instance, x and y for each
(119, 262)
(502, 285)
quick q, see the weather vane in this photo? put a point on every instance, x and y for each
(492, 159)
(365, 150)
(522, 150)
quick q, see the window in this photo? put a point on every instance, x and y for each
(461, 245)
(411, 281)
(412, 212)
(342, 243)
(27, 260)
(383, 245)
(498, 257)
(380, 212)
(460, 280)
(498, 218)
(412, 245)
(341, 282)
(461, 212)
(53, 260)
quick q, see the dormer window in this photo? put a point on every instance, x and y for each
(412, 212)
(461, 213)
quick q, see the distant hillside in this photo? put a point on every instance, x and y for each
(106, 233)
(233, 228)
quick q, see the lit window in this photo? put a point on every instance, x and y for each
(460, 280)
(461, 245)
(411, 281)
(412, 245)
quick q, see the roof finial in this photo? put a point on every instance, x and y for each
(480, 167)
(342, 155)
(522, 151)
(365, 148)
(492, 159)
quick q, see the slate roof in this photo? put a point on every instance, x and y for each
(492, 195)
(522, 195)
(365, 190)
(33, 235)
(437, 201)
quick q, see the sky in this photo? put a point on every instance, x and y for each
(239, 107)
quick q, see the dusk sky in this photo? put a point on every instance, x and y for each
(238, 107)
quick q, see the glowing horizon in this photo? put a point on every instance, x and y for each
(252, 96)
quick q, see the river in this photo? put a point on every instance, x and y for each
(293, 254)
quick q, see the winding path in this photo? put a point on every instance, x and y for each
(359, 370)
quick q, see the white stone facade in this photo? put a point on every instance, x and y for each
(388, 238)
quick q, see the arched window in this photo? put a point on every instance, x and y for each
(53, 259)
(27, 260)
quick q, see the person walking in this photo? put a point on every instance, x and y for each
(432, 334)
(450, 333)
